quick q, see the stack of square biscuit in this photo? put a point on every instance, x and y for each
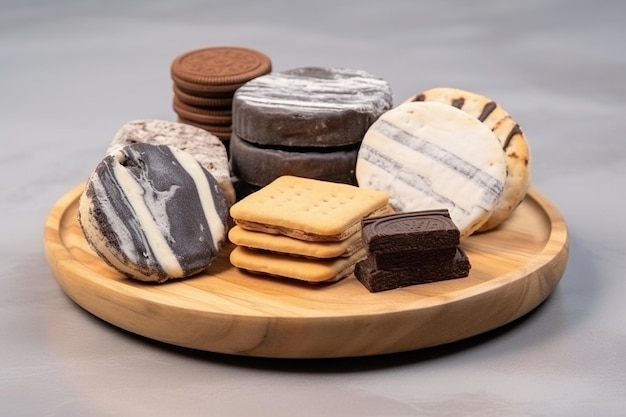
(410, 248)
(303, 229)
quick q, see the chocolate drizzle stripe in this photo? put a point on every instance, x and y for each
(159, 245)
(487, 110)
(492, 186)
(193, 168)
(514, 131)
(458, 102)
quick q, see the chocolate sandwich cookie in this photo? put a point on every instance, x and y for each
(203, 102)
(376, 280)
(259, 165)
(153, 213)
(207, 116)
(309, 107)
(216, 71)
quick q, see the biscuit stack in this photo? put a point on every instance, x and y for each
(406, 249)
(205, 80)
(305, 122)
(302, 229)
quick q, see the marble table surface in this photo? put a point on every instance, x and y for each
(72, 72)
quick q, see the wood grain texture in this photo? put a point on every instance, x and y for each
(514, 269)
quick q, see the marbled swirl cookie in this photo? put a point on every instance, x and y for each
(429, 155)
(208, 149)
(309, 107)
(153, 212)
(512, 141)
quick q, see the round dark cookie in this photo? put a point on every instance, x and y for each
(202, 115)
(257, 165)
(153, 212)
(204, 102)
(309, 107)
(218, 69)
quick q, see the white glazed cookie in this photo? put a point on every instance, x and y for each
(208, 149)
(429, 155)
(512, 141)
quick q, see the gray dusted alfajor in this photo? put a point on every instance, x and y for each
(305, 121)
(153, 213)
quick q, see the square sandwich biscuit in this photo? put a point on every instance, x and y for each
(295, 247)
(309, 209)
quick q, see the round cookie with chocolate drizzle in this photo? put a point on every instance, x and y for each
(510, 135)
(153, 212)
(429, 155)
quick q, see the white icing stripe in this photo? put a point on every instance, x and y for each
(193, 168)
(161, 249)
(288, 90)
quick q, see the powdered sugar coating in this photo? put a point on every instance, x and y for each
(309, 106)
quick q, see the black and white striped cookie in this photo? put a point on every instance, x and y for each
(309, 107)
(153, 212)
(430, 155)
(512, 140)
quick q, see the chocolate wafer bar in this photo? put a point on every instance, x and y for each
(410, 248)
(411, 258)
(413, 231)
(376, 280)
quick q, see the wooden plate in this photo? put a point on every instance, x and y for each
(514, 269)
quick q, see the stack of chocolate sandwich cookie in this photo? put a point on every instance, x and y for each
(306, 122)
(302, 229)
(205, 81)
(406, 249)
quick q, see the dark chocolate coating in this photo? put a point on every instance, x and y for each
(309, 107)
(256, 165)
(176, 212)
(410, 258)
(376, 280)
(410, 231)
